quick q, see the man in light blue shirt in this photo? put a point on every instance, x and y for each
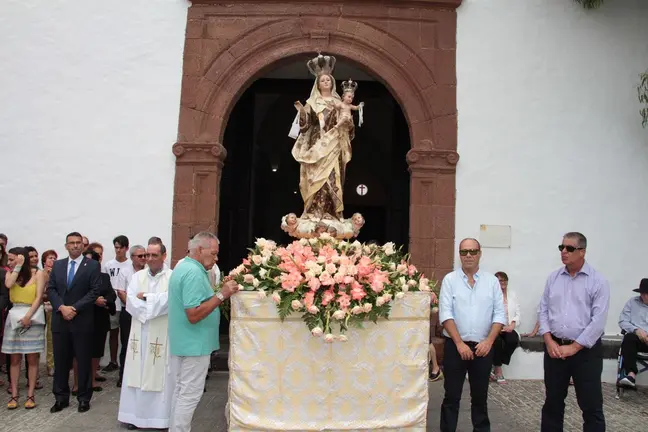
(471, 309)
(194, 319)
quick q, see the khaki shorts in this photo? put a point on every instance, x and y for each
(114, 321)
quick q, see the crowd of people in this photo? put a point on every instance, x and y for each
(168, 324)
(167, 321)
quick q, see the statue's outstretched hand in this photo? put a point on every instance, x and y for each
(299, 106)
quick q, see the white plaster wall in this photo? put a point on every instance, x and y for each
(550, 139)
(90, 99)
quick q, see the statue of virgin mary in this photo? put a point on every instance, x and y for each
(323, 150)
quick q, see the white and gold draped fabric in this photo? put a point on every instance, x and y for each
(284, 379)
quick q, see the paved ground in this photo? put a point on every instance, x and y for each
(514, 406)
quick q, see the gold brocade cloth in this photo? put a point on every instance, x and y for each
(284, 379)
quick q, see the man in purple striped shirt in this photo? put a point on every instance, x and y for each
(572, 316)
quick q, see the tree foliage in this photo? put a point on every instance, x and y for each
(642, 91)
(590, 4)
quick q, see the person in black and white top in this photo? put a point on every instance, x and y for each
(113, 268)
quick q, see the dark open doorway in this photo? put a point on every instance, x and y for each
(260, 179)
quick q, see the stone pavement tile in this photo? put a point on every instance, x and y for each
(514, 406)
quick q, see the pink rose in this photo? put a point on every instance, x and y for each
(317, 332)
(257, 259)
(331, 268)
(276, 298)
(314, 284)
(309, 299)
(327, 296)
(313, 310)
(367, 307)
(290, 281)
(248, 278)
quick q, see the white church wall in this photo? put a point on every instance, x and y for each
(550, 139)
(91, 94)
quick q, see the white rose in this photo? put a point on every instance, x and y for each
(387, 297)
(329, 338)
(276, 298)
(256, 259)
(435, 309)
(321, 259)
(400, 295)
(262, 294)
(296, 305)
(366, 250)
(423, 284)
(356, 244)
(303, 242)
(241, 287)
(411, 282)
(312, 241)
(317, 332)
(325, 236)
(392, 266)
(380, 301)
(255, 283)
(402, 268)
(405, 288)
(367, 307)
(344, 243)
(313, 310)
(388, 248)
(262, 273)
(265, 260)
(357, 310)
(261, 242)
(339, 315)
(343, 338)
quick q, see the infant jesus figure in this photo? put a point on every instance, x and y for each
(344, 108)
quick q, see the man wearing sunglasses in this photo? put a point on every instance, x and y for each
(573, 312)
(471, 309)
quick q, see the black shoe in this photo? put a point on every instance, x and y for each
(97, 389)
(59, 406)
(111, 367)
(628, 382)
(75, 392)
(99, 378)
(131, 427)
(119, 383)
(84, 406)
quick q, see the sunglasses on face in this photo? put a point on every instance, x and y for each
(140, 256)
(472, 252)
(570, 249)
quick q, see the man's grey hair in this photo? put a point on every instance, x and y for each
(202, 239)
(581, 240)
(132, 250)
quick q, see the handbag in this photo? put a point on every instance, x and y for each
(18, 312)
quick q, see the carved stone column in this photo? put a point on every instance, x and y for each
(432, 208)
(196, 191)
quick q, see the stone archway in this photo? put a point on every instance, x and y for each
(409, 45)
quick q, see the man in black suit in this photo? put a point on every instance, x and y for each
(73, 287)
(4, 292)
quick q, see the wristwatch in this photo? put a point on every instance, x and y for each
(220, 296)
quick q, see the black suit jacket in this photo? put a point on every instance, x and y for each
(82, 294)
(4, 292)
(102, 314)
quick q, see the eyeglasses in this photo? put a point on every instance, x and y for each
(140, 256)
(464, 252)
(570, 249)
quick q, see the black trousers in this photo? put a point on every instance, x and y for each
(454, 369)
(585, 367)
(124, 332)
(504, 346)
(68, 346)
(630, 346)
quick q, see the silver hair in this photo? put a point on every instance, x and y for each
(132, 250)
(581, 240)
(202, 239)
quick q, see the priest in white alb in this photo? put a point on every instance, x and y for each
(148, 383)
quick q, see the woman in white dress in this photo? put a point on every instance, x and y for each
(509, 338)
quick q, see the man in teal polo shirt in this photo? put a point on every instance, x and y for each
(194, 318)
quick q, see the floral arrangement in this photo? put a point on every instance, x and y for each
(331, 282)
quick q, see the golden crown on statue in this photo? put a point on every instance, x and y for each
(322, 64)
(349, 86)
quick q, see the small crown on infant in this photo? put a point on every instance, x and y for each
(349, 86)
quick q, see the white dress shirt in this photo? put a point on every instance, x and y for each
(513, 309)
(474, 310)
(77, 260)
